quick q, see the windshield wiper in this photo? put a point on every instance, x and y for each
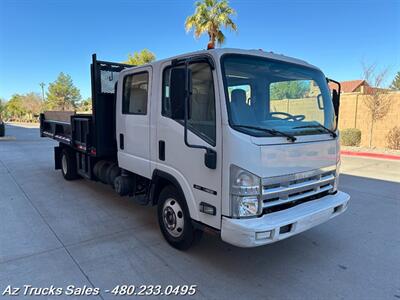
(271, 131)
(331, 132)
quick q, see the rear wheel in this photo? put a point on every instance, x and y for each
(174, 220)
(68, 165)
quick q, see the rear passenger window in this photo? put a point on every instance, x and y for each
(135, 94)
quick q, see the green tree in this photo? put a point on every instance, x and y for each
(142, 57)
(209, 17)
(32, 105)
(293, 89)
(23, 107)
(396, 82)
(85, 105)
(14, 108)
(2, 106)
(62, 94)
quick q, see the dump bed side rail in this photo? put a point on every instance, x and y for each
(68, 128)
(56, 125)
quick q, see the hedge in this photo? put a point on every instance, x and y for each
(350, 137)
(393, 138)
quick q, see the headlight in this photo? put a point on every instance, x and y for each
(244, 206)
(245, 189)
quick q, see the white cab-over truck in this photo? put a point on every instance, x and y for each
(243, 143)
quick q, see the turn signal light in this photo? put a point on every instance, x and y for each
(208, 209)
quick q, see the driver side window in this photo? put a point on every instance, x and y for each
(296, 97)
(202, 117)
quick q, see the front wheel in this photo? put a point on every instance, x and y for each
(174, 220)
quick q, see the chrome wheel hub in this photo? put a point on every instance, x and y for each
(173, 217)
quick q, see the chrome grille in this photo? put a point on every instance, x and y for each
(288, 188)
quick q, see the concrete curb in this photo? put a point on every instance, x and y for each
(7, 138)
(23, 125)
(370, 155)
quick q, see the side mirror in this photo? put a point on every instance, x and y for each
(178, 85)
(336, 102)
(335, 98)
(210, 159)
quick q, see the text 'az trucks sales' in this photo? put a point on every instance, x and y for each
(240, 142)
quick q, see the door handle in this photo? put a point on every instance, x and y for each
(121, 141)
(161, 150)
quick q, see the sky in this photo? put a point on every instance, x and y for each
(41, 38)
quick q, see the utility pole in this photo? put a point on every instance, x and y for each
(42, 84)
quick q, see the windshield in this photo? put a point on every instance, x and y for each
(269, 94)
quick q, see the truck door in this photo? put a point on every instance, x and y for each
(198, 182)
(133, 130)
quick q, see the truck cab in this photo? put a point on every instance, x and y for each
(243, 143)
(241, 106)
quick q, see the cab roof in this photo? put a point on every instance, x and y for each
(217, 53)
(221, 51)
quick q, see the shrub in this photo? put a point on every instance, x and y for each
(393, 138)
(350, 137)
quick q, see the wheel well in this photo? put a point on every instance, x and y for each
(160, 180)
(161, 183)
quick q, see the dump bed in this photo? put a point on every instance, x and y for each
(56, 125)
(91, 133)
(69, 128)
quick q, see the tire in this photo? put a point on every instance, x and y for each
(174, 219)
(103, 169)
(100, 170)
(123, 185)
(96, 169)
(68, 165)
(113, 172)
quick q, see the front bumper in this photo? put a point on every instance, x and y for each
(280, 225)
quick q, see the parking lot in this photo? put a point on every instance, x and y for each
(54, 232)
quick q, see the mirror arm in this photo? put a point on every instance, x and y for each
(337, 82)
(210, 157)
(338, 98)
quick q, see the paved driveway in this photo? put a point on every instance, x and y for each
(54, 232)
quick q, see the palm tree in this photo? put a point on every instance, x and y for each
(210, 16)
